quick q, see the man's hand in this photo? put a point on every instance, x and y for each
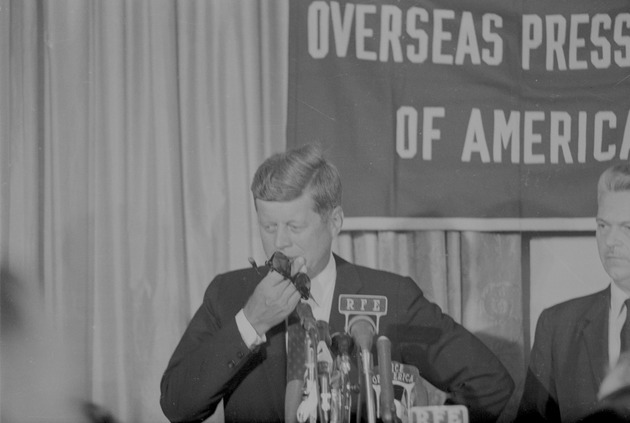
(273, 299)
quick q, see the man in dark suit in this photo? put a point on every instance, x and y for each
(234, 348)
(578, 340)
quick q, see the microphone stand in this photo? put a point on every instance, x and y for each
(324, 372)
(362, 328)
(309, 406)
(387, 403)
(323, 375)
(342, 345)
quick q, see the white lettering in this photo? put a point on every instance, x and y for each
(377, 305)
(560, 136)
(576, 42)
(429, 133)
(582, 137)
(494, 56)
(391, 31)
(475, 141)
(622, 57)
(532, 37)
(423, 416)
(562, 34)
(455, 417)
(318, 29)
(530, 137)
(440, 35)
(341, 27)
(420, 54)
(363, 304)
(547, 137)
(350, 304)
(406, 128)
(467, 43)
(598, 152)
(600, 21)
(362, 33)
(504, 131)
(439, 415)
(556, 36)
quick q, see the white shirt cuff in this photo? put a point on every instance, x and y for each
(248, 333)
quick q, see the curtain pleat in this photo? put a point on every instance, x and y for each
(422, 255)
(134, 128)
(492, 299)
(454, 275)
(20, 161)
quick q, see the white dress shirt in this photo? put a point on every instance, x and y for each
(617, 317)
(322, 289)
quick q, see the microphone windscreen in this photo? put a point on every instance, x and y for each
(342, 343)
(362, 331)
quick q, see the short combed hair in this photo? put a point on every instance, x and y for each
(287, 176)
(614, 179)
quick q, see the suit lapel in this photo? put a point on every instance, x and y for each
(595, 324)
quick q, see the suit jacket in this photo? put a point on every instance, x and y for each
(211, 362)
(568, 360)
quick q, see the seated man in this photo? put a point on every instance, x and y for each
(234, 349)
(577, 340)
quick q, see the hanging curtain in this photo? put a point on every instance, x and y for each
(130, 133)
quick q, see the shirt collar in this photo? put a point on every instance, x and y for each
(321, 283)
(617, 298)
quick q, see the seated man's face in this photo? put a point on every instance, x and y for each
(613, 236)
(294, 228)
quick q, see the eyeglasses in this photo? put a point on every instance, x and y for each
(282, 264)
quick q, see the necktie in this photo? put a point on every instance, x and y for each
(625, 329)
(296, 357)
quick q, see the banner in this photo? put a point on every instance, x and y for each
(442, 109)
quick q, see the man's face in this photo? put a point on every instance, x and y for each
(613, 236)
(295, 229)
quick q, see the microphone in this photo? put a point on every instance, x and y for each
(387, 404)
(324, 372)
(363, 331)
(342, 346)
(325, 395)
(308, 408)
(362, 328)
(365, 306)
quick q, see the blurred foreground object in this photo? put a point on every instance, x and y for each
(37, 383)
